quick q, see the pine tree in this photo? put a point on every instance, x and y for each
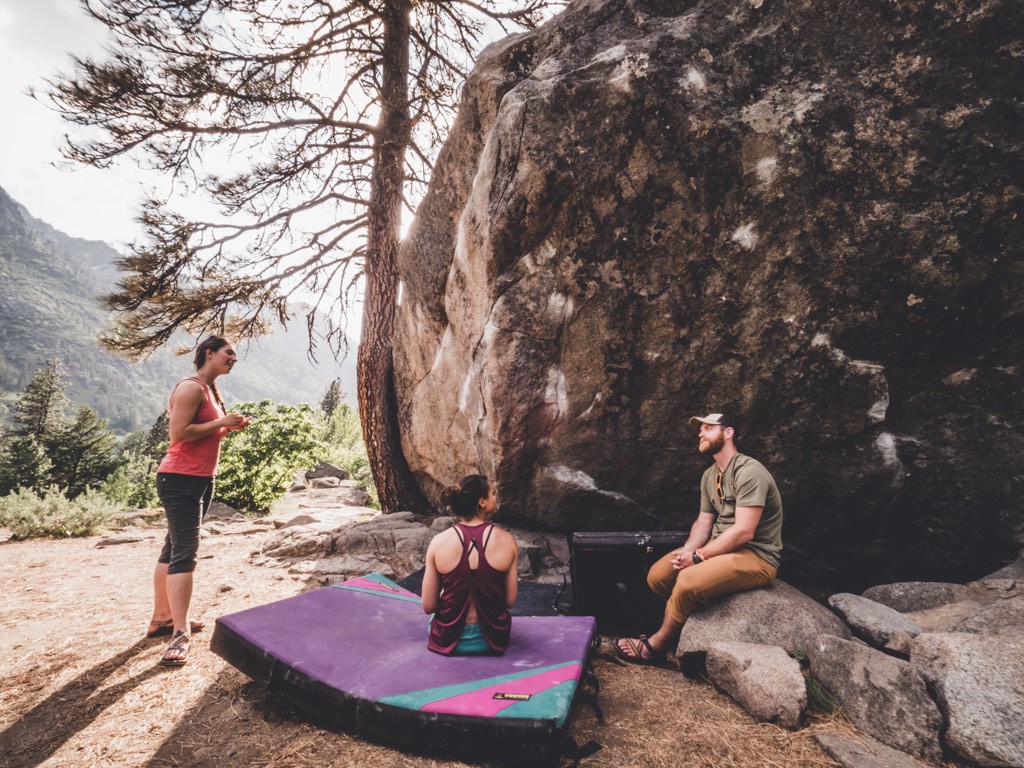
(339, 108)
(41, 409)
(332, 398)
(82, 453)
(158, 437)
(23, 464)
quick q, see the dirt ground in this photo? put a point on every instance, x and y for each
(81, 685)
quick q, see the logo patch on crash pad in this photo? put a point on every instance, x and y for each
(512, 696)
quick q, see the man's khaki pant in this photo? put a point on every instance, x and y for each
(722, 575)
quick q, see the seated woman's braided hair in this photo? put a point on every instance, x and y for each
(463, 499)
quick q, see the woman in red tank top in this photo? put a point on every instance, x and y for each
(184, 482)
(471, 577)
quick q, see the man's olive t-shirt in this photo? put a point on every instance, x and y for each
(746, 480)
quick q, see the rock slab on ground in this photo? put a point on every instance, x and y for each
(863, 752)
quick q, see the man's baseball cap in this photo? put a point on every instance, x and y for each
(719, 419)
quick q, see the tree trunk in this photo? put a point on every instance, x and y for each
(378, 411)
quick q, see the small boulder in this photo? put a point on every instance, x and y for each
(325, 482)
(907, 596)
(223, 513)
(878, 624)
(979, 681)
(882, 695)
(325, 469)
(763, 679)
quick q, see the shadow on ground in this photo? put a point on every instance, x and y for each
(40, 732)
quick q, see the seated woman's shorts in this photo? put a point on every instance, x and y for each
(471, 641)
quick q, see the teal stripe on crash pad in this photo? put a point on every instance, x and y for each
(418, 699)
(545, 705)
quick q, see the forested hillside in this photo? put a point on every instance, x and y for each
(49, 288)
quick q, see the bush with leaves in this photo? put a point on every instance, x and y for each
(30, 514)
(132, 484)
(344, 438)
(258, 463)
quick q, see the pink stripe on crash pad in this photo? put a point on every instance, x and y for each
(363, 583)
(481, 702)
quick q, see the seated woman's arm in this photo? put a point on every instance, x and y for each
(431, 582)
(512, 577)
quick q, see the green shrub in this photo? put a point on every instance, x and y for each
(344, 438)
(132, 484)
(30, 514)
(258, 463)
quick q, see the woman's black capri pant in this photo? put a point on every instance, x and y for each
(186, 499)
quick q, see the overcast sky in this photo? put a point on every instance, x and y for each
(36, 37)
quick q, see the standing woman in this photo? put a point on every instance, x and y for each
(184, 482)
(471, 578)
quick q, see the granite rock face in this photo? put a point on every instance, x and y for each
(647, 210)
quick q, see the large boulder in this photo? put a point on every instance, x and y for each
(777, 614)
(883, 696)
(979, 680)
(647, 210)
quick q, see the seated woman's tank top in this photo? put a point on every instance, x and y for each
(485, 587)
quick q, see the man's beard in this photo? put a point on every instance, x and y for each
(712, 446)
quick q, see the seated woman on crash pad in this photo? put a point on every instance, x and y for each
(471, 575)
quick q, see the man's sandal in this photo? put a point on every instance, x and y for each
(654, 658)
(177, 650)
(166, 627)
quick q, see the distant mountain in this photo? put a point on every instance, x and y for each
(49, 288)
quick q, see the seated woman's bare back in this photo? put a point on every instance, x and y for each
(500, 552)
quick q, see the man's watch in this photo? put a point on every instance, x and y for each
(697, 559)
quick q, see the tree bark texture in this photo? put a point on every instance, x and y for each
(396, 487)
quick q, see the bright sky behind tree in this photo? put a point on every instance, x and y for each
(36, 37)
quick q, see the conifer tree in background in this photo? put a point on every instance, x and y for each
(158, 437)
(332, 113)
(23, 464)
(42, 408)
(332, 398)
(82, 453)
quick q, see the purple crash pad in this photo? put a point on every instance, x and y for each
(355, 656)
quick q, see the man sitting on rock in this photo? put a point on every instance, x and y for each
(734, 545)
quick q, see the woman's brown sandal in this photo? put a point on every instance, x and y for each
(177, 650)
